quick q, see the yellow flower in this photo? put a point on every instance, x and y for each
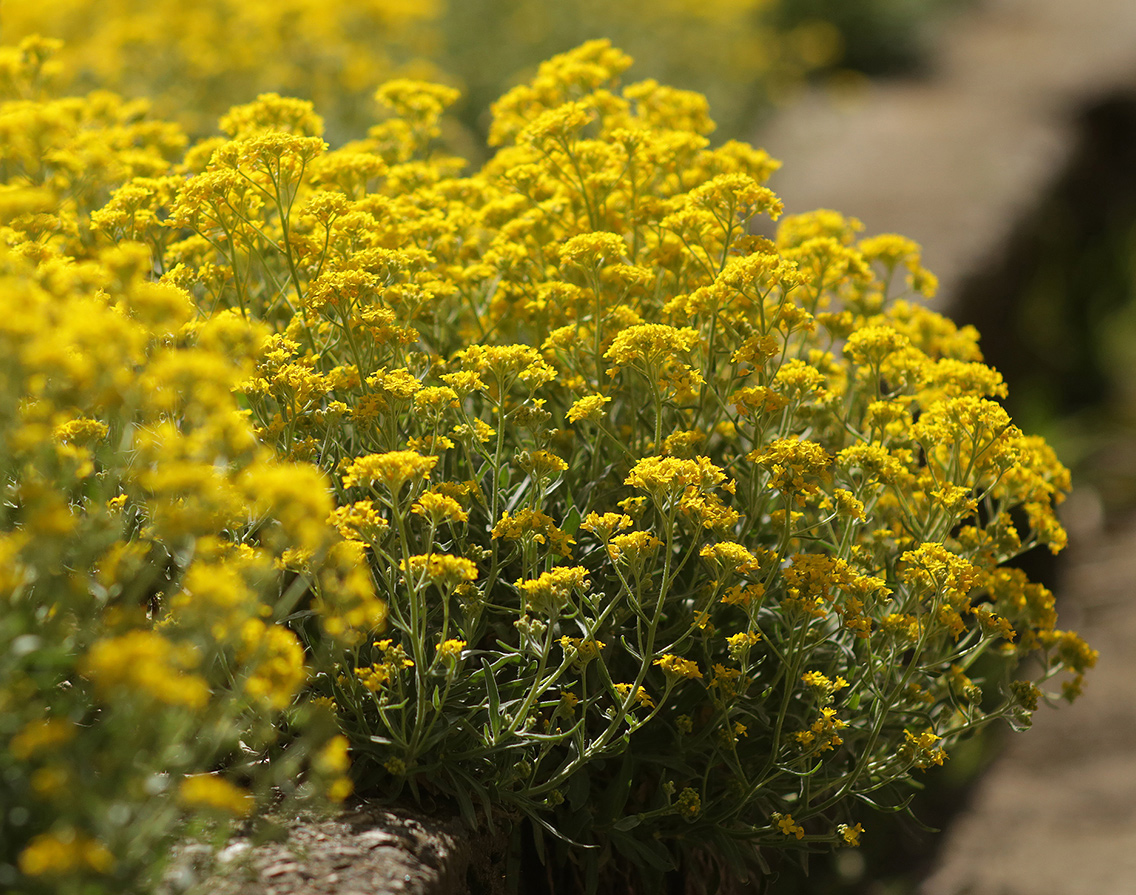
(649, 345)
(788, 826)
(870, 345)
(739, 643)
(463, 382)
(450, 649)
(272, 112)
(144, 663)
(439, 508)
(604, 526)
(665, 478)
(534, 524)
(550, 592)
(541, 464)
(395, 654)
(394, 388)
(904, 627)
(436, 398)
(633, 548)
(580, 651)
(730, 558)
(339, 291)
(36, 737)
(374, 677)
(506, 363)
(688, 805)
(275, 658)
(359, 521)
(725, 682)
(588, 408)
(730, 196)
(446, 571)
(824, 687)
(339, 789)
(63, 853)
(823, 735)
(81, 431)
(333, 757)
(416, 100)
(848, 505)
(392, 469)
(641, 695)
(53, 782)
(556, 126)
(683, 444)
(794, 465)
(677, 668)
(801, 381)
(932, 568)
(743, 596)
(922, 749)
(214, 792)
(593, 249)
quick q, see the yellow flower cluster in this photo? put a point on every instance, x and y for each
(676, 667)
(441, 569)
(550, 592)
(63, 854)
(143, 664)
(285, 390)
(788, 826)
(451, 649)
(151, 546)
(641, 695)
(215, 793)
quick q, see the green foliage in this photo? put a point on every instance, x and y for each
(690, 542)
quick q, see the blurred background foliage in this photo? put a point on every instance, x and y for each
(195, 60)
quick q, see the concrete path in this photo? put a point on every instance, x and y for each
(953, 160)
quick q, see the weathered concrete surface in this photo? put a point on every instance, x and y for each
(956, 159)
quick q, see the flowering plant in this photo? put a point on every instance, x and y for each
(139, 650)
(692, 542)
(194, 61)
(145, 675)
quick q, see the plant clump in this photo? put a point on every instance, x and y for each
(570, 498)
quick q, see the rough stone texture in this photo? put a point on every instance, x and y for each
(956, 159)
(366, 850)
